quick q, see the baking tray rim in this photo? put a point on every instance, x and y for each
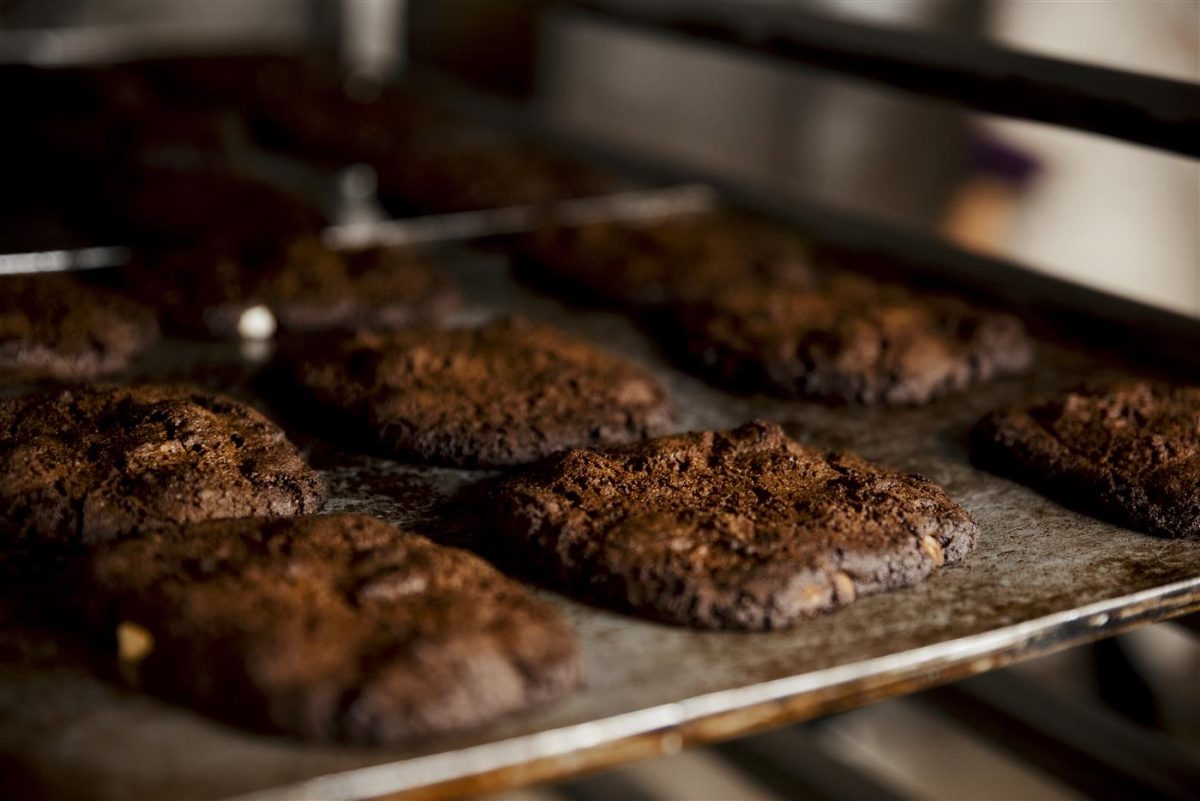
(664, 729)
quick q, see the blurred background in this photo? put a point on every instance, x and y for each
(1093, 210)
(1089, 209)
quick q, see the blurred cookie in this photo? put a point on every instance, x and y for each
(744, 529)
(53, 326)
(175, 205)
(91, 464)
(851, 341)
(689, 257)
(338, 627)
(1128, 453)
(323, 123)
(206, 289)
(481, 170)
(506, 393)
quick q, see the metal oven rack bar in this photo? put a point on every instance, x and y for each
(1153, 111)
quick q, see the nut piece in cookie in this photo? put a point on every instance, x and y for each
(209, 289)
(331, 627)
(744, 529)
(60, 328)
(1127, 452)
(853, 341)
(689, 257)
(91, 464)
(502, 394)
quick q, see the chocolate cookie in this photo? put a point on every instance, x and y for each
(241, 80)
(851, 341)
(742, 530)
(693, 257)
(206, 289)
(502, 394)
(1128, 453)
(56, 327)
(337, 627)
(481, 170)
(88, 465)
(322, 123)
(172, 205)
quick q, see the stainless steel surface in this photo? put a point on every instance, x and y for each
(58, 261)
(1041, 579)
(114, 42)
(458, 226)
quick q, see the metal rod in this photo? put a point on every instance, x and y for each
(57, 261)
(456, 226)
(633, 205)
(1148, 110)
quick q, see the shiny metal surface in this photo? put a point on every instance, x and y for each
(59, 261)
(459, 226)
(1042, 578)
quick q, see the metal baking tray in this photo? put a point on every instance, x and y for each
(1042, 578)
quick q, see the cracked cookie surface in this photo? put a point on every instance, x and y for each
(90, 464)
(502, 394)
(853, 340)
(745, 529)
(1127, 452)
(332, 627)
(57, 327)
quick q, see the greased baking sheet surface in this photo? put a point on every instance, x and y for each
(1041, 577)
